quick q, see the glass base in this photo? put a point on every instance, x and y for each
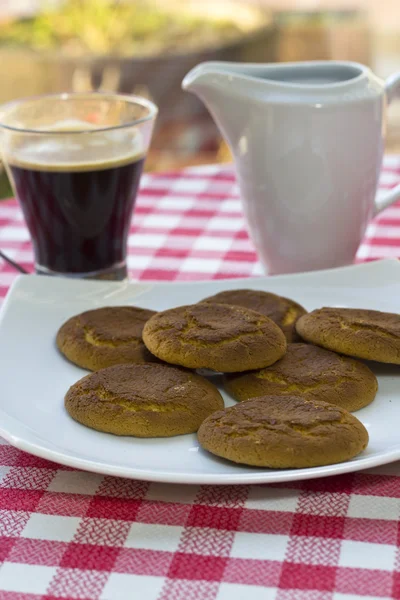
(117, 272)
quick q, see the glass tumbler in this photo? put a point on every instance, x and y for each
(75, 162)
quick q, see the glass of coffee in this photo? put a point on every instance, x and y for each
(75, 161)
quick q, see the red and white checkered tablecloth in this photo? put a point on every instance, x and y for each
(70, 534)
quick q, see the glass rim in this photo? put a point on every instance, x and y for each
(128, 98)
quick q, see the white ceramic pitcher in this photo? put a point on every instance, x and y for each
(307, 140)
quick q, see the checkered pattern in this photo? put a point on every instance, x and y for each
(69, 534)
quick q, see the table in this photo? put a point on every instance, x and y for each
(70, 534)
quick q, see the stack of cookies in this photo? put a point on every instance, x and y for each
(293, 373)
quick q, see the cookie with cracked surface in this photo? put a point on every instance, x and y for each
(104, 337)
(219, 337)
(283, 432)
(368, 334)
(310, 372)
(143, 400)
(283, 311)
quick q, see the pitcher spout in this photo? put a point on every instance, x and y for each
(203, 77)
(218, 86)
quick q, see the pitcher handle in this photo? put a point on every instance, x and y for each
(392, 87)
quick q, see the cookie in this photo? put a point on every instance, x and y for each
(283, 432)
(219, 337)
(105, 336)
(312, 373)
(283, 311)
(368, 334)
(143, 400)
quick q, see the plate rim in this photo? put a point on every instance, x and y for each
(13, 436)
(369, 265)
(251, 478)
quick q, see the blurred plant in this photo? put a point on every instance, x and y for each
(115, 27)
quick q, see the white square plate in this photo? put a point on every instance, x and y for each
(34, 376)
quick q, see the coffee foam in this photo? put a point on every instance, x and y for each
(75, 152)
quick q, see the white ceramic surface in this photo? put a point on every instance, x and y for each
(34, 376)
(308, 140)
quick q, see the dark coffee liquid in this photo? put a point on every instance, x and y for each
(78, 218)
